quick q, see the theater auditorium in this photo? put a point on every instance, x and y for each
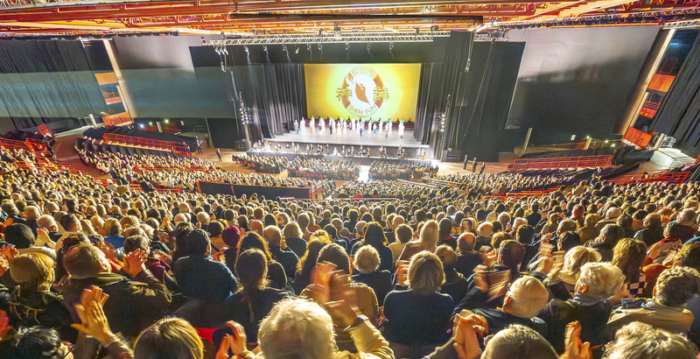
(425, 179)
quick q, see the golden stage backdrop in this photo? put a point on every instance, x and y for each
(362, 90)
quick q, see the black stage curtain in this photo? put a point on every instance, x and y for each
(275, 93)
(45, 80)
(479, 99)
(679, 113)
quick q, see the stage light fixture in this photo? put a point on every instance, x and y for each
(284, 48)
(443, 122)
(308, 48)
(265, 49)
(296, 50)
(347, 47)
(369, 48)
(166, 121)
(320, 48)
(246, 49)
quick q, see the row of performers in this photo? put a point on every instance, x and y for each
(363, 152)
(352, 126)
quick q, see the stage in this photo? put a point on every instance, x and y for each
(350, 139)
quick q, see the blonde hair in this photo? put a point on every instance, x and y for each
(576, 257)
(429, 235)
(292, 230)
(527, 297)
(602, 278)
(169, 338)
(425, 273)
(33, 271)
(366, 260)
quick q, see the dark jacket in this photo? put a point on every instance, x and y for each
(46, 309)
(417, 319)
(202, 278)
(379, 281)
(132, 306)
(455, 286)
(498, 320)
(448, 240)
(650, 235)
(286, 258)
(466, 262)
(238, 308)
(592, 314)
(605, 250)
(297, 245)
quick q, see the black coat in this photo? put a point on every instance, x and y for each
(380, 281)
(593, 318)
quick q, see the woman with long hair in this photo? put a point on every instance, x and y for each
(629, 255)
(427, 241)
(250, 304)
(275, 271)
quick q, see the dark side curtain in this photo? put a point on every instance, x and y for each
(479, 99)
(45, 80)
(679, 113)
(275, 93)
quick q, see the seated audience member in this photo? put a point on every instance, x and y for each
(23, 239)
(562, 283)
(444, 236)
(666, 310)
(607, 240)
(427, 241)
(250, 304)
(425, 276)
(524, 235)
(629, 255)
(275, 271)
(292, 237)
(455, 284)
(589, 230)
(403, 234)
(566, 236)
(590, 305)
(307, 263)
(686, 218)
(114, 231)
(652, 232)
(33, 342)
(671, 243)
(49, 224)
(198, 276)
(484, 233)
(374, 236)
(467, 258)
(365, 299)
(32, 301)
(286, 258)
(640, 340)
(367, 264)
(137, 300)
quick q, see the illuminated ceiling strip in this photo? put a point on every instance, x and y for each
(332, 38)
(682, 24)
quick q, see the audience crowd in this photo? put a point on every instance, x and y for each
(382, 269)
(400, 170)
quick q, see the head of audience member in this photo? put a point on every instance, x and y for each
(366, 260)
(640, 340)
(19, 235)
(599, 280)
(511, 254)
(297, 328)
(652, 220)
(425, 273)
(485, 230)
(525, 297)
(610, 235)
(335, 254)
(33, 272)
(403, 233)
(688, 256)
(574, 259)
(273, 235)
(629, 255)
(292, 230)
(676, 286)
(466, 242)
(517, 341)
(524, 234)
(169, 337)
(85, 261)
(257, 226)
(251, 269)
(35, 343)
(429, 236)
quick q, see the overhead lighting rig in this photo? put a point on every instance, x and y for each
(318, 38)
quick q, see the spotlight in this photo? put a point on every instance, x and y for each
(308, 48)
(142, 125)
(347, 47)
(150, 123)
(296, 50)
(166, 121)
(284, 48)
(265, 49)
(246, 49)
(369, 48)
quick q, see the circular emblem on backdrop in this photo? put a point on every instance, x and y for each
(362, 92)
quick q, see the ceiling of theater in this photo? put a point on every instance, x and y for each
(245, 18)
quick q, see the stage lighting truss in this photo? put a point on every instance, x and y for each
(443, 122)
(332, 38)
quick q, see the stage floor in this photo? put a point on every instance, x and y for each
(351, 139)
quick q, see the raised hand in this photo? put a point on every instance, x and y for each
(235, 343)
(93, 320)
(574, 347)
(466, 341)
(490, 258)
(133, 263)
(9, 252)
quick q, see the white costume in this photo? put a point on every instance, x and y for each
(312, 124)
(354, 125)
(401, 128)
(296, 125)
(321, 124)
(331, 125)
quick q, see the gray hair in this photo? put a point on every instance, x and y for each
(366, 260)
(602, 278)
(297, 328)
(527, 297)
(517, 341)
(676, 286)
(642, 341)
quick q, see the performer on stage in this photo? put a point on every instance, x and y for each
(352, 151)
(354, 126)
(312, 124)
(321, 125)
(296, 126)
(401, 126)
(371, 126)
(390, 125)
(360, 129)
(331, 124)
